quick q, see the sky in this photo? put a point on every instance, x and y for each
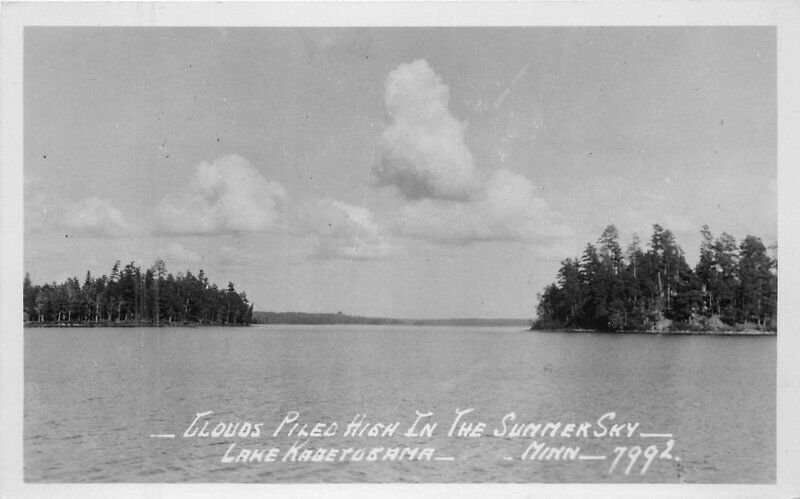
(396, 172)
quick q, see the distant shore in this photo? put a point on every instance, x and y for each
(339, 318)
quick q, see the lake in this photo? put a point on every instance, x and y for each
(101, 404)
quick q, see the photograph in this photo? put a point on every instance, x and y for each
(437, 253)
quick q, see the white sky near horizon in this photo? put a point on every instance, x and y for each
(400, 172)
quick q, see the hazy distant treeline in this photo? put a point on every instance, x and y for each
(732, 285)
(340, 318)
(131, 295)
(320, 318)
(469, 322)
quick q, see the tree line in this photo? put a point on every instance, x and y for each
(130, 295)
(319, 318)
(734, 285)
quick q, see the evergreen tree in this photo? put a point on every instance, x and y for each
(726, 283)
(755, 285)
(706, 272)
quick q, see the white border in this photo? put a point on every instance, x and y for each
(783, 14)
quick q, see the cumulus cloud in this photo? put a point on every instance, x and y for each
(509, 210)
(770, 208)
(176, 253)
(448, 199)
(423, 151)
(228, 195)
(96, 217)
(345, 231)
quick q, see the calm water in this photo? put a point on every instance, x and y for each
(94, 397)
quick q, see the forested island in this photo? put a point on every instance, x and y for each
(130, 296)
(733, 287)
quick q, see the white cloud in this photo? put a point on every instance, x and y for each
(238, 256)
(38, 210)
(345, 231)
(96, 217)
(769, 210)
(176, 254)
(423, 151)
(448, 198)
(509, 210)
(228, 195)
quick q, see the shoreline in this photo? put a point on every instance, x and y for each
(709, 332)
(124, 325)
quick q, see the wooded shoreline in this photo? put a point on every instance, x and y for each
(683, 332)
